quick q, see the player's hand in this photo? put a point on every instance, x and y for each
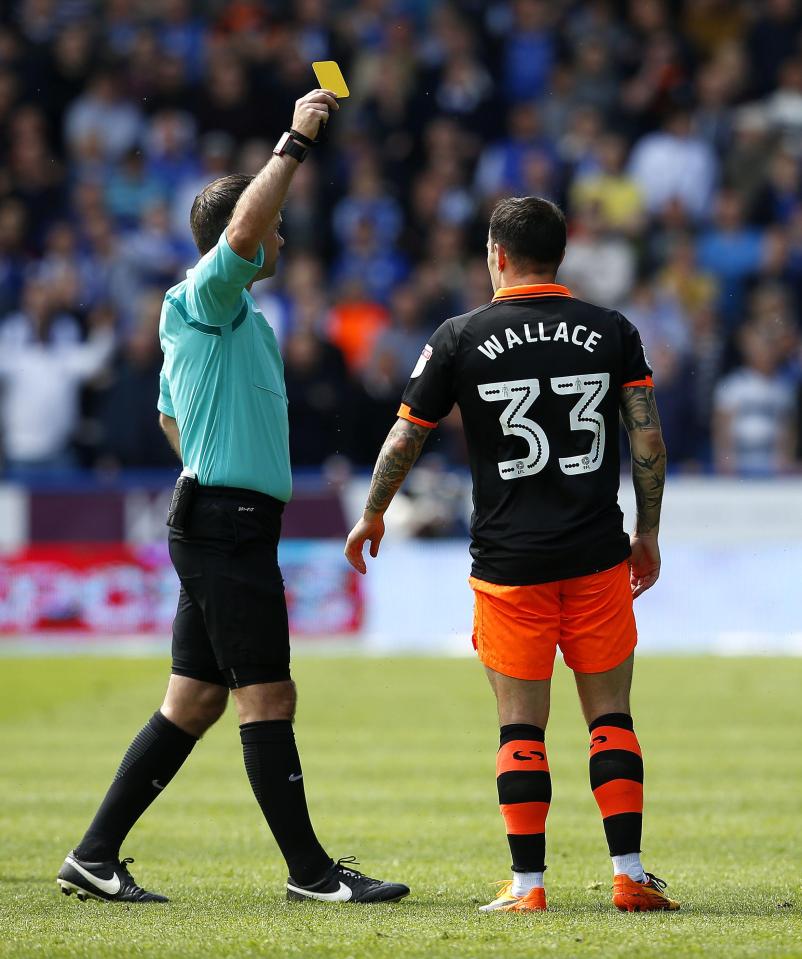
(312, 110)
(369, 529)
(644, 564)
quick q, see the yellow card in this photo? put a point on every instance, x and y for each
(330, 77)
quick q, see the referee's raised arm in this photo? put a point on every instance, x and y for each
(261, 202)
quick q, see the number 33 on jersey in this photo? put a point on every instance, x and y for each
(537, 376)
(522, 394)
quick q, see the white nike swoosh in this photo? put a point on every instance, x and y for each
(110, 886)
(294, 777)
(156, 783)
(343, 894)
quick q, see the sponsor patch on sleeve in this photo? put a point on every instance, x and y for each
(423, 359)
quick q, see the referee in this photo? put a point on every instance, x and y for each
(223, 407)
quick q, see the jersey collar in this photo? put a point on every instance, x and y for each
(531, 290)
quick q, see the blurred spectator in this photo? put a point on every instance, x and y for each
(215, 158)
(678, 411)
(317, 390)
(745, 161)
(113, 281)
(598, 266)
(103, 116)
(616, 194)
(732, 251)
(376, 400)
(784, 105)
(367, 200)
(170, 148)
(404, 338)
(772, 39)
(43, 364)
(682, 279)
(754, 408)
(128, 422)
(226, 105)
(154, 252)
(780, 196)
(131, 188)
(705, 363)
(659, 318)
(595, 82)
(530, 48)
(182, 36)
(711, 24)
(377, 269)
(355, 322)
(672, 164)
(301, 226)
(13, 254)
(501, 165)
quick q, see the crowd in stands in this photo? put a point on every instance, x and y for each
(670, 132)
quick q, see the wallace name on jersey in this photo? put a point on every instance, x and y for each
(580, 336)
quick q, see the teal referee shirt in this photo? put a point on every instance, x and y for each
(223, 378)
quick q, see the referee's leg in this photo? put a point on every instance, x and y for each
(156, 754)
(266, 711)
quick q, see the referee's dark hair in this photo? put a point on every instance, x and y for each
(531, 230)
(213, 207)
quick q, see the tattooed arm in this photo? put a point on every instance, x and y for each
(397, 457)
(642, 422)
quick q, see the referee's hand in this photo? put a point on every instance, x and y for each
(312, 110)
(369, 528)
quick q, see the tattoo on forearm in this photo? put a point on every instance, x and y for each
(648, 478)
(397, 457)
(639, 409)
(639, 412)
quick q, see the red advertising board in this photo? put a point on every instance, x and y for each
(114, 589)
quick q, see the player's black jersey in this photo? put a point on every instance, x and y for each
(537, 376)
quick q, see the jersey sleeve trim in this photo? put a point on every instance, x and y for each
(405, 413)
(646, 381)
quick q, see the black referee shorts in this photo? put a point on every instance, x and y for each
(231, 624)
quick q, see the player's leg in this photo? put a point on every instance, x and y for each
(616, 766)
(195, 699)
(515, 632)
(599, 637)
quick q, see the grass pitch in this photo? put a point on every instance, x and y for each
(399, 765)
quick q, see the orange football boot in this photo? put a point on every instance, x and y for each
(533, 901)
(632, 896)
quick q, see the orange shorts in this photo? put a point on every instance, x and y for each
(517, 629)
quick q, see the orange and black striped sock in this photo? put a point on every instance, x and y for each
(524, 794)
(616, 778)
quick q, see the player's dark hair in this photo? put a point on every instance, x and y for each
(531, 230)
(213, 207)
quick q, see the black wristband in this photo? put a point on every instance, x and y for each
(302, 138)
(289, 146)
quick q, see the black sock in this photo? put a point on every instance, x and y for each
(153, 758)
(274, 771)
